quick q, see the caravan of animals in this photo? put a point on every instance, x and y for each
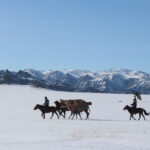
(76, 106)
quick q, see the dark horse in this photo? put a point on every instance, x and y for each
(133, 111)
(62, 110)
(45, 109)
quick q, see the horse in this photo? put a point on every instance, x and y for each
(62, 109)
(45, 109)
(133, 110)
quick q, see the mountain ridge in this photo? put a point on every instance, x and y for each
(107, 81)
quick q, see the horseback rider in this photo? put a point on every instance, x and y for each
(138, 96)
(134, 104)
(46, 103)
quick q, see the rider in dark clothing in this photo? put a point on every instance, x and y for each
(46, 103)
(134, 104)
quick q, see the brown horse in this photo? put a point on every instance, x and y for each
(133, 111)
(45, 109)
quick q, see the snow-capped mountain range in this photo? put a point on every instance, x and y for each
(109, 81)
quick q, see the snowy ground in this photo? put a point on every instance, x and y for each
(109, 128)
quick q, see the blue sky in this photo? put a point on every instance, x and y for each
(75, 34)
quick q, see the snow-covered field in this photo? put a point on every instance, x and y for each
(109, 128)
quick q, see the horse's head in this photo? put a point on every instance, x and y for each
(56, 102)
(36, 107)
(126, 107)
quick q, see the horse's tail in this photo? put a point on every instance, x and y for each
(146, 112)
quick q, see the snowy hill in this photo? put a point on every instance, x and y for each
(108, 128)
(109, 81)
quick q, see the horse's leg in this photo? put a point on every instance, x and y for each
(133, 117)
(130, 117)
(80, 116)
(76, 115)
(87, 114)
(56, 114)
(143, 116)
(52, 115)
(73, 116)
(64, 114)
(139, 116)
(60, 112)
(43, 115)
(70, 115)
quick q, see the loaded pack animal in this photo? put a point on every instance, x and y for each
(47, 109)
(133, 111)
